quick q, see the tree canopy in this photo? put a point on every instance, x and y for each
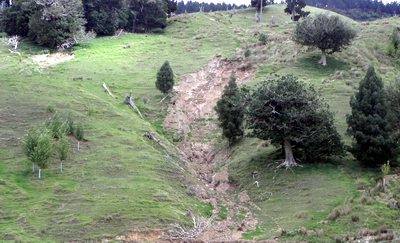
(289, 112)
(367, 123)
(294, 8)
(165, 78)
(230, 110)
(326, 32)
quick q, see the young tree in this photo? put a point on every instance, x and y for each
(230, 111)
(165, 79)
(30, 142)
(42, 152)
(367, 122)
(324, 32)
(394, 40)
(79, 133)
(294, 8)
(63, 150)
(290, 112)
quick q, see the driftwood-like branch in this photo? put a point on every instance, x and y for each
(165, 96)
(200, 224)
(14, 52)
(106, 89)
(128, 100)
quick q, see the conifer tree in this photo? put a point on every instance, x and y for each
(367, 124)
(165, 78)
(230, 111)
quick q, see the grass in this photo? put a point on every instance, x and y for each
(120, 181)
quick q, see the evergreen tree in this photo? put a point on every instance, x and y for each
(367, 122)
(289, 113)
(165, 78)
(42, 152)
(324, 32)
(294, 8)
(79, 133)
(230, 111)
(63, 150)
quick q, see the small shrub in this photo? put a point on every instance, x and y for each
(390, 51)
(334, 214)
(50, 109)
(355, 218)
(263, 37)
(90, 112)
(247, 52)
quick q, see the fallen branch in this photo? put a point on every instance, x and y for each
(106, 89)
(128, 100)
(165, 96)
(14, 52)
(200, 224)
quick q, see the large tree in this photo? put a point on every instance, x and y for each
(290, 112)
(367, 123)
(230, 111)
(294, 8)
(165, 78)
(57, 22)
(326, 32)
(148, 14)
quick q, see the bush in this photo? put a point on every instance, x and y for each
(263, 37)
(50, 109)
(390, 51)
(247, 52)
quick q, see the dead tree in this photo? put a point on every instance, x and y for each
(128, 100)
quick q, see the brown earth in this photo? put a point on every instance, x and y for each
(192, 117)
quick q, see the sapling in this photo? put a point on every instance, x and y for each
(63, 150)
(79, 133)
(385, 168)
(30, 142)
(42, 152)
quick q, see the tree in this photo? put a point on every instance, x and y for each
(165, 78)
(294, 8)
(56, 22)
(289, 112)
(257, 3)
(30, 142)
(324, 32)
(16, 17)
(63, 150)
(147, 14)
(230, 111)
(394, 40)
(393, 116)
(42, 152)
(367, 124)
(79, 133)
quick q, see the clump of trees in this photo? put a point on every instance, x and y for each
(285, 111)
(326, 32)
(369, 122)
(295, 9)
(40, 141)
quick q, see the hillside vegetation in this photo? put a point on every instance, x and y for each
(123, 183)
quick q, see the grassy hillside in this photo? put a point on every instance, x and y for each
(122, 182)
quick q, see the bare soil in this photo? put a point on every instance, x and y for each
(192, 117)
(47, 60)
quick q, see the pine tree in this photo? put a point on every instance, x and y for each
(165, 78)
(367, 124)
(230, 111)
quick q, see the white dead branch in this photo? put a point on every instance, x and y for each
(106, 89)
(128, 100)
(256, 182)
(13, 41)
(199, 225)
(14, 52)
(165, 96)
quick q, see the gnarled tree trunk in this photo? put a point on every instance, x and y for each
(289, 158)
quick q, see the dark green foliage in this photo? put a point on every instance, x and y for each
(55, 126)
(43, 151)
(16, 18)
(257, 3)
(69, 125)
(263, 37)
(324, 32)
(230, 111)
(367, 123)
(289, 112)
(104, 17)
(147, 14)
(247, 52)
(171, 6)
(30, 141)
(393, 116)
(294, 8)
(165, 78)
(79, 132)
(56, 24)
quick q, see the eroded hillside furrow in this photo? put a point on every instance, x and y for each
(192, 117)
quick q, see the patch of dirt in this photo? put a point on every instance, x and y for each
(192, 117)
(47, 60)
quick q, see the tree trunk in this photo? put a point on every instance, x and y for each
(293, 13)
(40, 170)
(322, 61)
(78, 145)
(289, 158)
(61, 166)
(33, 167)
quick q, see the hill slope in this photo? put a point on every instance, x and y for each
(122, 183)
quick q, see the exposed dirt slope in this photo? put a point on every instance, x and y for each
(192, 117)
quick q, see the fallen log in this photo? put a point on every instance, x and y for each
(106, 89)
(128, 100)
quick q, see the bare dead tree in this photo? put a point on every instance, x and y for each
(128, 100)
